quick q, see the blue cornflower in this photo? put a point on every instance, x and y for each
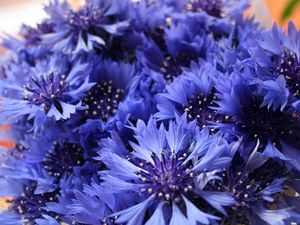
(30, 204)
(42, 175)
(87, 28)
(210, 85)
(193, 92)
(249, 116)
(61, 158)
(139, 16)
(112, 82)
(213, 8)
(30, 187)
(235, 41)
(157, 58)
(51, 89)
(59, 154)
(189, 40)
(218, 8)
(28, 47)
(71, 201)
(92, 200)
(108, 105)
(150, 55)
(277, 59)
(183, 40)
(33, 35)
(256, 182)
(164, 172)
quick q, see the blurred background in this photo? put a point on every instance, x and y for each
(280, 11)
(15, 12)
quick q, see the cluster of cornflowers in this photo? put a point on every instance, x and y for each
(150, 112)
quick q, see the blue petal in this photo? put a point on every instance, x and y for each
(274, 217)
(10, 218)
(195, 215)
(119, 165)
(133, 215)
(150, 137)
(272, 152)
(177, 217)
(292, 154)
(48, 220)
(218, 200)
(157, 217)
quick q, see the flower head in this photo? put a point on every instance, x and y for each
(51, 89)
(256, 182)
(61, 159)
(33, 36)
(164, 170)
(147, 112)
(95, 200)
(213, 8)
(193, 92)
(107, 105)
(249, 116)
(278, 59)
(30, 205)
(218, 8)
(31, 190)
(86, 29)
(188, 41)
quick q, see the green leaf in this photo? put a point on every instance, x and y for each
(289, 9)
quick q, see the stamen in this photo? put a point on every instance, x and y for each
(62, 158)
(168, 177)
(103, 100)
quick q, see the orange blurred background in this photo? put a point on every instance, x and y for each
(276, 8)
(269, 11)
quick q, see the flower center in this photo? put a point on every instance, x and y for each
(246, 188)
(264, 124)
(170, 69)
(211, 7)
(47, 90)
(31, 205)
(62, 158)
(82, 19)
(199, 108)
(167, 178)
(290, 69)
(103, 100)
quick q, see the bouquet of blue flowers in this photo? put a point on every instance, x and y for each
(156, 112)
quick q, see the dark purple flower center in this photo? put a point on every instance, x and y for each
(83, 19)
(290, 68)
(33, 35)
(211, 7)
(199, 108)
(103, 100)
(168, 178)
(61, 159)
(265, 124)
(46, 90)
(170, 69)
(31, 206)
(247, 188)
